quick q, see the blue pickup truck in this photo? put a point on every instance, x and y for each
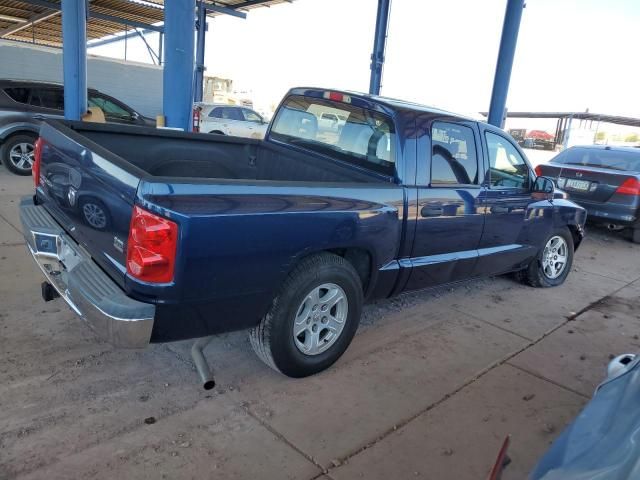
(156, 236)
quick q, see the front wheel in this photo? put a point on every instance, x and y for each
(313, 319)
(553, 263)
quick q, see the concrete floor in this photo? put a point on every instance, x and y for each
(430, 386)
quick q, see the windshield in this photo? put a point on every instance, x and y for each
(361, 137)
(615, 159)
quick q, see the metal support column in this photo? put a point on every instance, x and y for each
(568, 133)
(510, 29)
(379, 44)
(74, 58)
(179, 46)
(201, 25)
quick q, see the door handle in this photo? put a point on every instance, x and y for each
(38, 116)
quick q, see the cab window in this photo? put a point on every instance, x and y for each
(367, 138)
(454, 160)
(507, 168)
(48, 98)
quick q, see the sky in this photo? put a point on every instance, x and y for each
(571, 54)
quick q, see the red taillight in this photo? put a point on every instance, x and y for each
(337, 97)
(538, 170)
(151, 248)
(631, 186)
(37, 157)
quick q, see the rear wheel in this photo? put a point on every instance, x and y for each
(553, 263)
(313, 319)
(18, 153)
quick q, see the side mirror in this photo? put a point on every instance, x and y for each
(544, 186)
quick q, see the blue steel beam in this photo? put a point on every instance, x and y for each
(201, 25)
(177, 88)
(74, 58)
(379, 44)
(510, 29)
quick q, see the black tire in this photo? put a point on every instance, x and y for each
(534, 274)
(635, 235)
(273, 340)
(8, 146)
(101, 219)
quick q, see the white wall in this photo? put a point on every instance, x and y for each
(136, 84)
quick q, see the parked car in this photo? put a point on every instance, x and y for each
(234, 120)
(290, 235)
(25, 104)
(602, 441)
(605, 180)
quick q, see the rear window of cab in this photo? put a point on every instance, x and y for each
(357, 135)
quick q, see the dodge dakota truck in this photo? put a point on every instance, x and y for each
(156, 236)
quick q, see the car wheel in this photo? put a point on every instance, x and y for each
(553, 263)
(635, 235)
(313, 319)
(18, 153)
(94, 213)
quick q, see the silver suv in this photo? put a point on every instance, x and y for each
(25, 104)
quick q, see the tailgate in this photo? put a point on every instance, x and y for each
(90, 192)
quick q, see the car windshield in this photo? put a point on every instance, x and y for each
(614, 159)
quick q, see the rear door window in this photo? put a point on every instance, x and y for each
(367, 138)
(18, 94)
(52, 98)
(454, 160)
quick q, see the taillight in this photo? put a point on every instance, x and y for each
(538, 170)
(151, 248)
(631, 186)
(37, 158)
(337, 97)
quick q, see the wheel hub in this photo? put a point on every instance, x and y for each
(320, 319)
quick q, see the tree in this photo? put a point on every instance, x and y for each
(601, 136)
(632, 137)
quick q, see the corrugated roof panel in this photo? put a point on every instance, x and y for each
(49, 31)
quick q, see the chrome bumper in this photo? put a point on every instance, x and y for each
(94, 296)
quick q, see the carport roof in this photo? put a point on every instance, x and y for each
(40, 21)
(599, 117)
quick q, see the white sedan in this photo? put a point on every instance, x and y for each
(234, 120)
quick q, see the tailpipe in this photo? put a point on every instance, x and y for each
(206, 375)
(613, 227)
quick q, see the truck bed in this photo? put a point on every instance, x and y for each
(165, 153)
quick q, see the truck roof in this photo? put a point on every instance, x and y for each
(390, 103)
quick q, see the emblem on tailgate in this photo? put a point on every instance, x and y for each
(118, 244)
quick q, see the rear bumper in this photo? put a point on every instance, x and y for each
(90, 292)
(611, 213)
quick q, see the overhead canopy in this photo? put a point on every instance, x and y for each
(598, 117)
(39, 21)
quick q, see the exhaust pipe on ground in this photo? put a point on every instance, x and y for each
(206, 375)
